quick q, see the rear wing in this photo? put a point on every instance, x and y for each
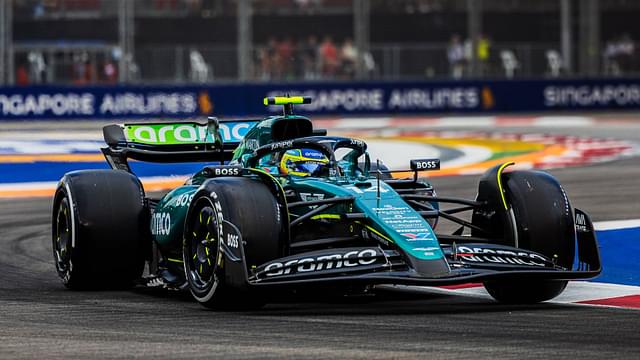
(164, 142)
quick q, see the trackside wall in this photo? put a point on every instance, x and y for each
(331, 98)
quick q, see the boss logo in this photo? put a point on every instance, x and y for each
(425, 164)
(184, 199)
(225, 170)
(232, 240)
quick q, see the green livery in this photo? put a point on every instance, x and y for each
(281, 206)
(182, 133)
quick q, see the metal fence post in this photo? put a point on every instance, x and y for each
(3, 44)
(589, 37)
(361, 21)
(474, 28)
(566, 35)
(10, 66)
(179, 54)
(7, 66)
(125, 38)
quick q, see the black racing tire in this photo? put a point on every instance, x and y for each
(100, 229)
(250, 206)
(544, 223)
(524, 292)
(543, 214)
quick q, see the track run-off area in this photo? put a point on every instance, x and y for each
(596, 160)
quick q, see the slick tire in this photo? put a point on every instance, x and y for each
(544, 217)
(99, 229)
(544, 224)
(251, 207)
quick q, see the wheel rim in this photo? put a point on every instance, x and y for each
(202, 246)
(62, 237)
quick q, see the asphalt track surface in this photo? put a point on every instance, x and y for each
(39, 318)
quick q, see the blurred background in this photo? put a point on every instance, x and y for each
(91, 42)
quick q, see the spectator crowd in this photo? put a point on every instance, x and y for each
(459, 55)
(308, 59)
(78, 68)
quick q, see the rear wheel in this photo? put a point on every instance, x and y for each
(251, 207)
(62, 233)
(544, 224)
(99, 228)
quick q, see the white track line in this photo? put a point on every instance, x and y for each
(563, 121)
(576, 292)
(617, 224)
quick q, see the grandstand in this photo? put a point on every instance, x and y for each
(199, 41)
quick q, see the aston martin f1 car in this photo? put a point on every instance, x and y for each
(281, 206)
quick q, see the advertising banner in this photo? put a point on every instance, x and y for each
(329, 98)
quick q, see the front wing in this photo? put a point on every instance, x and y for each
(373, 265)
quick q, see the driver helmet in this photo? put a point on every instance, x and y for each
(302, 162)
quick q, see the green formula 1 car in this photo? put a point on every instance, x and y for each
(288, 208)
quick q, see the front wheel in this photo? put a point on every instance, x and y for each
(543, 223)
(251, 207)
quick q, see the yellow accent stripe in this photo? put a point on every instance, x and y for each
(175, 260)
(326, 216)
(500, 169)
(375, 231)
